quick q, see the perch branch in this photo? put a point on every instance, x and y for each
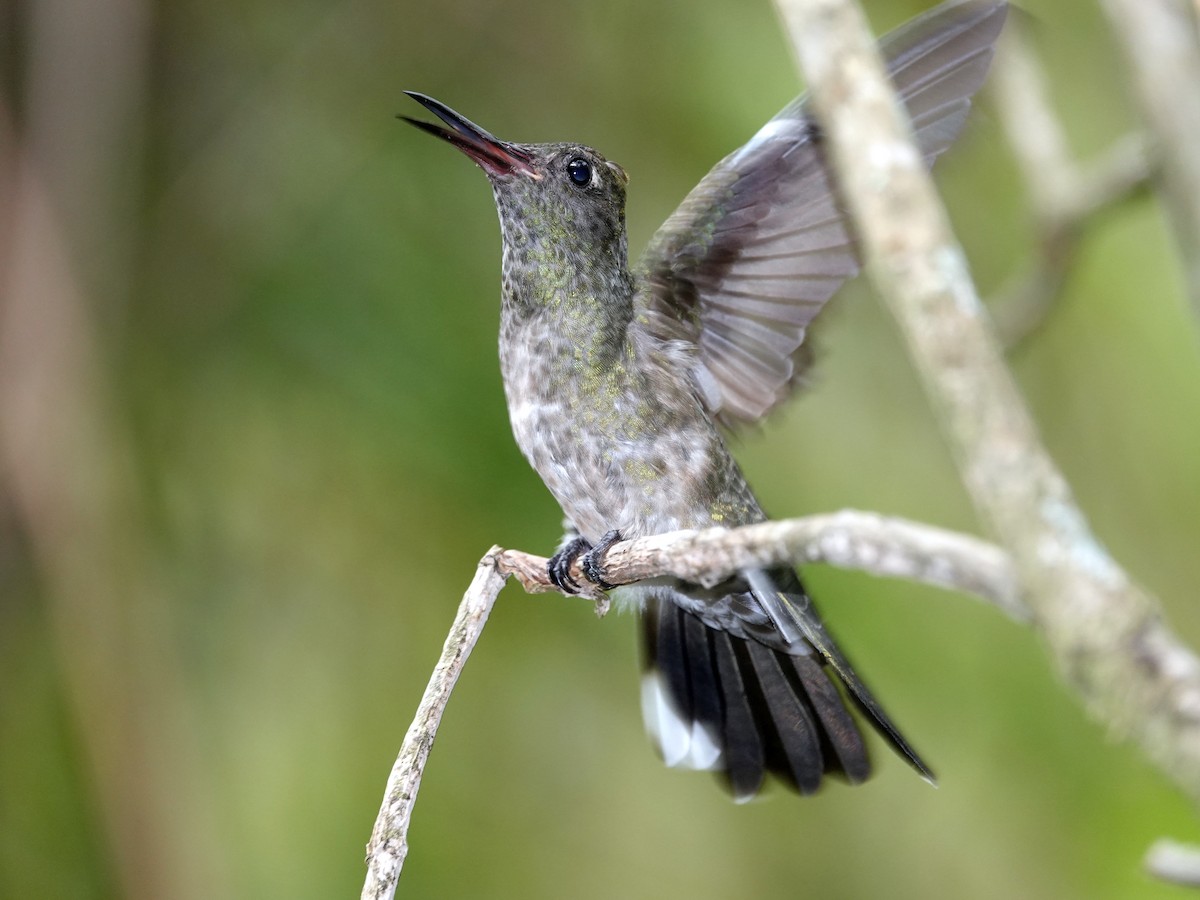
(1104, 632)
(849, 539)
(857, 540)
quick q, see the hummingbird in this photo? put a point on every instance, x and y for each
(622, 384)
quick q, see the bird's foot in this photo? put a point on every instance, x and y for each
(558, 568)
(593, 561)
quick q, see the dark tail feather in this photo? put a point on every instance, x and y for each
(716, 701)
(796, 746)
(791, 612)
(744, 757)
(796, 604)
(844, 741)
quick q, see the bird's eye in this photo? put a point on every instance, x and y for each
(579, 170)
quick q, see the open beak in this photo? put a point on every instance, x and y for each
(492, 155)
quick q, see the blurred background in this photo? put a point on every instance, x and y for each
(253, 442)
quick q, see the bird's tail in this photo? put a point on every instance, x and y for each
(724, 700)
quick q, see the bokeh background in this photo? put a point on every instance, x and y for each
(254, 442)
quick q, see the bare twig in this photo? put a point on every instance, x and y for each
(1104, 632)
(1162, 50)
(857, 540)
(1065, 197)
(389, 839)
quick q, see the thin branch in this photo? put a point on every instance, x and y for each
(389, 839)
(1162, 50)
(857, 540)
(1104, 632)
(1065, 197)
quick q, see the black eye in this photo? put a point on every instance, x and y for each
(579, 170)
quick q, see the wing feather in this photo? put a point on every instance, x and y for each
(758, 248)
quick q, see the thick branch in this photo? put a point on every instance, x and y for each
(1104, 631)
(866, 541)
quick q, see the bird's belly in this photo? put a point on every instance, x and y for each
(634, 477)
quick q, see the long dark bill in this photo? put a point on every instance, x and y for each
(491, 154)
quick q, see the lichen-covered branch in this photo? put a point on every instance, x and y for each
(1104, 631)
(1162, 49)
(857, 540)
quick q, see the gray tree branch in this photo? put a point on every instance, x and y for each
(857, 540)
(1104, 632)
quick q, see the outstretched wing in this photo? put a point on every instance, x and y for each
(760, 245)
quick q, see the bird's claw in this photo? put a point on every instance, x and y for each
(593, 561)
(558, 568)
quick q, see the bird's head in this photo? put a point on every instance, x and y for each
(563, 197)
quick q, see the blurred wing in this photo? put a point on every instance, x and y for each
(760, 245)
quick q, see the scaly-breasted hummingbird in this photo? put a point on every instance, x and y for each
(618, 382)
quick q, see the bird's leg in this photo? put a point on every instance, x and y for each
(559, 565)
(593, 561)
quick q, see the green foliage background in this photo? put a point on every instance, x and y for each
(295, 302)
